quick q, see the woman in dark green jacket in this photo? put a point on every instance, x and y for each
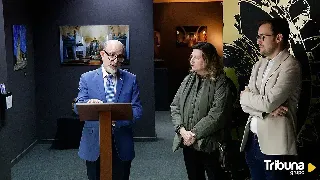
(200, 111)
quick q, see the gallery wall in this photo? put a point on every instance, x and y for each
(45, 89)
(57, 85)
(5, 170)
(3, 67)
(167, 16)
(19, 130)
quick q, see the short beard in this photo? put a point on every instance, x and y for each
(110, 70)
(268, 52)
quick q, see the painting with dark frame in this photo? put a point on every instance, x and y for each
(19, 33)
(157, 42)
(81, 45)
(187, 36)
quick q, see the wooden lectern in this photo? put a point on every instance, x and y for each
(106, 113)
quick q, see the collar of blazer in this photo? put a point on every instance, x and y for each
(277, 62)
(100, 84)
(119, 73)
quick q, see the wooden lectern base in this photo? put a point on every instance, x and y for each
(105, 146)
(93, 111)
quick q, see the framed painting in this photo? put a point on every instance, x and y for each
(81, 45)
(19, 46)
(187, 36)
(156, 38)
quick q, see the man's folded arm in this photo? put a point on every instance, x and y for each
(253, 112)
(287, 82)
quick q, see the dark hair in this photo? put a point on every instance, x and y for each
(212, 59)
(279, 26)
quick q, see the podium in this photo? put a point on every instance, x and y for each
(106, 113)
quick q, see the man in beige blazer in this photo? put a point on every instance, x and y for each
(271, 100)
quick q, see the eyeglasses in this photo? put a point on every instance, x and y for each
(263, 36)
(113, 57)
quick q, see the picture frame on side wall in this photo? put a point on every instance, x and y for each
(19, 33)
(157, 42)
(187, 36)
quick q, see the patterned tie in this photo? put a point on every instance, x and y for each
(110, 89)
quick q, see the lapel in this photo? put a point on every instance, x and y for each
(98, 80)
(207, 95)
(277, 62)
(120, 79)
(261, 69)
(186, 90)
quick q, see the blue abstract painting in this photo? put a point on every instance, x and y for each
(20, 46)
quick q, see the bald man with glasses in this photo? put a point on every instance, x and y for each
(109, 84)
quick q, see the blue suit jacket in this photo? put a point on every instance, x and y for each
(91, 86)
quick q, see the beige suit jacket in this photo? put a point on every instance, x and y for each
(276, 135)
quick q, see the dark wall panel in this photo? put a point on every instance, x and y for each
(57, 85)
(19, 130)
(167, 17)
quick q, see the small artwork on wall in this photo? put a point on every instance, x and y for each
(81, 45)
(187, 36)
(19, 46)
(156, 37)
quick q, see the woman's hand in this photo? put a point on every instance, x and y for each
(190, 141)
(188, 136)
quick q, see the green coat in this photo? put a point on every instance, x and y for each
(210, 118)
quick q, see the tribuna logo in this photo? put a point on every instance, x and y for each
(278, 165)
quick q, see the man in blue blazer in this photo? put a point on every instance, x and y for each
(104, 85)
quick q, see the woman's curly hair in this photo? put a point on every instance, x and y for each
(213, 62)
